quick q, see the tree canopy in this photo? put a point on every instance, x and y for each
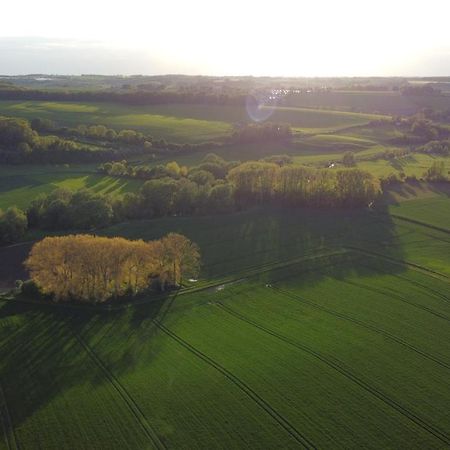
(94, 269)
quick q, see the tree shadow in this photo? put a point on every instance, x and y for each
(48, 354)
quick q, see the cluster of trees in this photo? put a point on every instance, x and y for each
(129, 97)
(437, 172)
(20, 143)
(214, 186)
(13, 225)
(94, 269)
(261, 182)
(440, 148)
(63, 209)
(212, 167)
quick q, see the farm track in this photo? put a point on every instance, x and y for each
(338, 366)
(9, 432)
(437, 294)
(423, 224)
(362, 324)
(120, 389)
(401, 262)
(394, 296)
(282, 421)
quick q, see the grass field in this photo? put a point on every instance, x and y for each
(384, 102)
(20, 185)
(315, 319)
(415, 164)
(178, 123)
(307, 328)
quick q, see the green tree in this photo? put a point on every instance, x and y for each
(13, 224)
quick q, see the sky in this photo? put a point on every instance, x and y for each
(232, 37)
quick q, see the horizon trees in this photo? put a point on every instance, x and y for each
(94, 269)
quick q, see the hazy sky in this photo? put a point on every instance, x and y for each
(282, 37)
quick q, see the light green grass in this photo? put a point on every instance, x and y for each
(20, 185)
(414, 164)
(178, 123)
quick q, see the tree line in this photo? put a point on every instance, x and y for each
(129, 97)
(42, 141)
(214, 186)
(94, 269)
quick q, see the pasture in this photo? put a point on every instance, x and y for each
(383, 102)
(20, 185)
(180, 123)
(311, 319)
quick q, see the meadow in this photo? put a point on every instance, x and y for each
(20, 185)
(306, 320)
(179, 123)
(380, 102)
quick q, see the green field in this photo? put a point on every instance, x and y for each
(314, 318)
(20, 185)
(414, 164)
(178, 123)
(384, 102)
(307, 328)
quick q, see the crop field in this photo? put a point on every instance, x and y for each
(299, 325)
(414, 164)
(383, 102)
(19, 186)
(179, 123)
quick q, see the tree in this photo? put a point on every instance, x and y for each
(182, 257)
(13, 224)
(93, 269)
(436, 172)
(158, 196)
(349, 159)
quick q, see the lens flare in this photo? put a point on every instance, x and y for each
(260, 107)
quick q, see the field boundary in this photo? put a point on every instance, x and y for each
(282, 421)
(339, 367)
(252, 271)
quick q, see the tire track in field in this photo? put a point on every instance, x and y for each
(429, 272)
(423, 224)
(413, 282)
(362, 324)
(337, 365)
(10, 434)
(120, 389)
(282, 421)
(392, 295)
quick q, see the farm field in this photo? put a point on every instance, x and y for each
(179, 123)
(20, 185)
(311, 328)
(383, 102)
(308, 323)
(414, 164)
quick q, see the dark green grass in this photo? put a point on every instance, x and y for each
(370, 102)
(300, 348)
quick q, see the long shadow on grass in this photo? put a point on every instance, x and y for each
(42, 358)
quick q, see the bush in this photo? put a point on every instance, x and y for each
(30, 289)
